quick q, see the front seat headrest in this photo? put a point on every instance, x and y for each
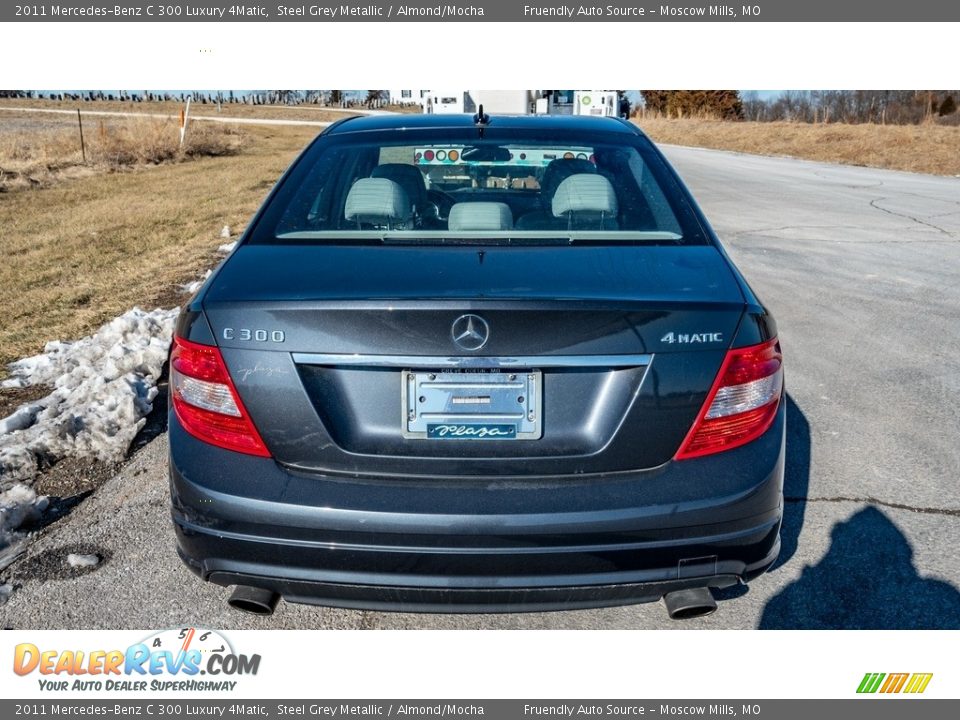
(406, 176)
(378, 201)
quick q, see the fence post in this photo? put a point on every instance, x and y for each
(184, 117)
(83, 149)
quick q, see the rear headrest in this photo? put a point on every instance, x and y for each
(585, 194)
(480, 216)
(377, 200)
(406, 176)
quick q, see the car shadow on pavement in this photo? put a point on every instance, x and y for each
(866, 580)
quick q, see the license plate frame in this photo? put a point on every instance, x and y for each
(480, 405)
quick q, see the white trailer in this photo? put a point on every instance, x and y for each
(504, 102)
(605, 103)
(499, 102)
(445, 102)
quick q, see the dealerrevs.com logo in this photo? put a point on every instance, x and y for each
(168, 660)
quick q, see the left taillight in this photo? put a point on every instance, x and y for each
(206, 401)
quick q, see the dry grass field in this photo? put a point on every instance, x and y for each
(86, 249)
(39, 152)
(917, 148)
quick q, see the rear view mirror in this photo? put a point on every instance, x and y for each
(485, 153)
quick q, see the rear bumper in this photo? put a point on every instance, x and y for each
(478, 545)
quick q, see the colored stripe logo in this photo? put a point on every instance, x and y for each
(913, 683)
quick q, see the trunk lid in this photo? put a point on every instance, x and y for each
(321, 342)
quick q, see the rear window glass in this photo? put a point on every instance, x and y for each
(478, 188)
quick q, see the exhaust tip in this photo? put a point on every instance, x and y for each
(254, 600)
(689, 603)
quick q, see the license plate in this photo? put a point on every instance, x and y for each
(472, 405)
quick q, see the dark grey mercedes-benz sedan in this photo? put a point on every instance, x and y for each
(469, 364)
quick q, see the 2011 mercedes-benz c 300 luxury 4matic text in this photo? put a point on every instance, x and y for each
(474, 363)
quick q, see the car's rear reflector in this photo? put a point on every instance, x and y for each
(206, 401)
(742, 403)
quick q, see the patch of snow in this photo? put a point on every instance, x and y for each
(227, 248)
(6, 590)
(18, 504)
(225, 232)
(104, 387)
(22, 418)
(191, 287)
(76, 560)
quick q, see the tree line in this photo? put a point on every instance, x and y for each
(334, 98)
(894, 107)
(720, 104)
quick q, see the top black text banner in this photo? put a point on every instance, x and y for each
(489, 10)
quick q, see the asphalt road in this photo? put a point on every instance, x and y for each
(862, 270)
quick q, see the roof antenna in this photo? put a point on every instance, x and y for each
(481, 119)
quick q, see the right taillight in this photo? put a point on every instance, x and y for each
(742, 403)
(206, 402)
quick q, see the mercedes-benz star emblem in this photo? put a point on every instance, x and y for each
(470, 332)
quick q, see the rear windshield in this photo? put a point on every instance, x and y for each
(414, 186)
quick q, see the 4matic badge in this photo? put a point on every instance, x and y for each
(691, 338)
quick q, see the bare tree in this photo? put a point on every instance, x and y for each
(725, 104)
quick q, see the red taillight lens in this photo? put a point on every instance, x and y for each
(206, 402)
(741, 404)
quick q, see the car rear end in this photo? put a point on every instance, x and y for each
(427, 410)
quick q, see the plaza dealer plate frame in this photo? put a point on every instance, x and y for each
(472, 398)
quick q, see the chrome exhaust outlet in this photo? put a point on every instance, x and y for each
(254, 600)
(689, 603)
